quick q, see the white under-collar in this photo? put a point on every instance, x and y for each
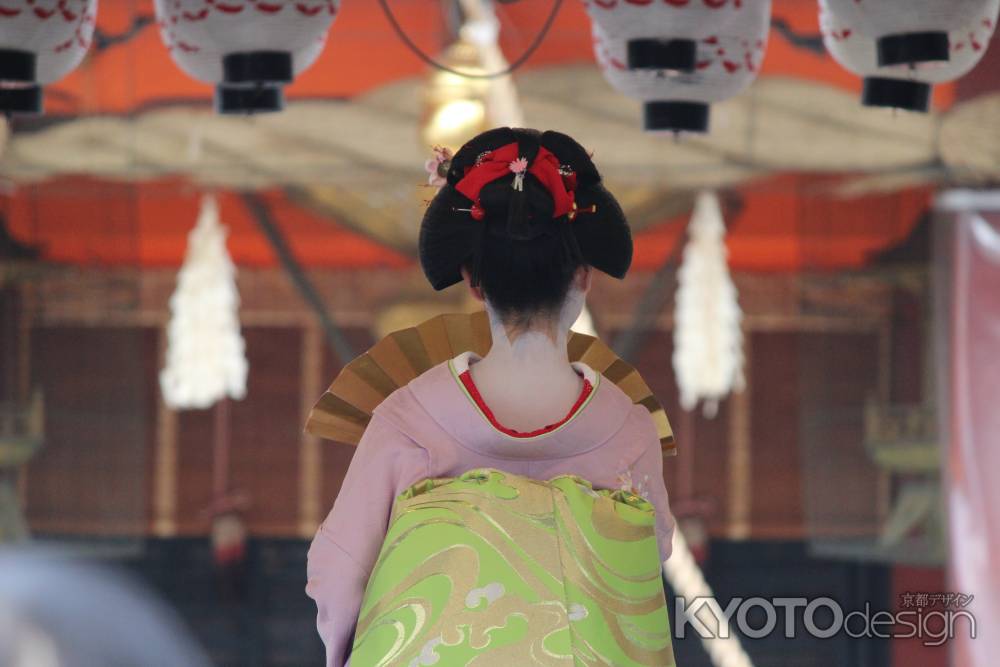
(461, 363)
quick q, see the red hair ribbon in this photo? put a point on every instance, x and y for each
(497, 164)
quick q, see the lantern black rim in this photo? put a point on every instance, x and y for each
(679, 55)
(17, 65)
(896, 94)
(246, 67)
(22, 100)
(244, 100)
(675, 116)
(913, 47)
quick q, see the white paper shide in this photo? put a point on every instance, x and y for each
(206, 355)
(708, 340)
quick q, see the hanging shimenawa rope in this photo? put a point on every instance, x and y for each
(523, 58)
(723, 646)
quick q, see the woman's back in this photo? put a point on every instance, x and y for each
(522, 218)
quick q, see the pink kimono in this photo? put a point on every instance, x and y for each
(437, 426)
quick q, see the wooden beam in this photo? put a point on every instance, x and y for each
(651, 304)
(261, 214)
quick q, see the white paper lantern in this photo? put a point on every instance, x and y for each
(905, 86)
(41, 41)
(249, 48)
(908, 32)
(729, 46)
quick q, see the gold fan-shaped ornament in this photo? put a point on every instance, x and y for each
(343, 411)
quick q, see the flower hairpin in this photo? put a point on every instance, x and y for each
(437, 167)
(518, 167)
(476, 212)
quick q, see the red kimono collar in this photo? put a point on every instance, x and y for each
(445, 398)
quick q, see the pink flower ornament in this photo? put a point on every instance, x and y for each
(518, 167)
(629, 484)
(437, 167)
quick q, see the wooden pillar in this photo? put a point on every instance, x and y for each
(165, 460)
(884, 486)
(310, 447)
(740, 496)
(25, 313)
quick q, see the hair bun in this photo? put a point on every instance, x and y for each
(518, 214)
(514, 239)
(467, 155)
(574, 156)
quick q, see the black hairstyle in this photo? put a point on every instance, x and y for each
(522, 258)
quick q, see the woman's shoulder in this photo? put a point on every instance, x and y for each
(405, 408)
(404, 399)
(636, 430)
(643, 417)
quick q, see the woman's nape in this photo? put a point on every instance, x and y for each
(526, 378)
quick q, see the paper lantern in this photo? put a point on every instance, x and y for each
(664, 34)
(729, 40)
(41, 41)
(250, 49)
(908, 32)
(905, 86)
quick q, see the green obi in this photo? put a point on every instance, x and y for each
(492, 568)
